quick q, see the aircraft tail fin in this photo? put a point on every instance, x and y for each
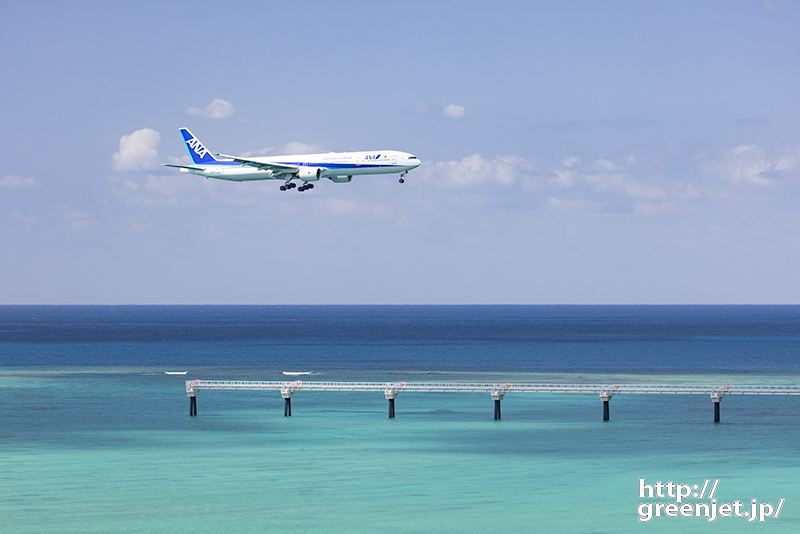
(197, 151)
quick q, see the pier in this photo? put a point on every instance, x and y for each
(497, 391)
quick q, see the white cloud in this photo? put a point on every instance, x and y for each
(454, 111)
(17, 182)
(750, 164)
(744, 163)
(570, 161)
(217, 109)
(625, 183)
(475, 170)
(606, 165)
(584, 181)
(565, 175)
(788, 162)
(618, 181)
(137, 151)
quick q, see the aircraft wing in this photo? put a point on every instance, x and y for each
(276, 168)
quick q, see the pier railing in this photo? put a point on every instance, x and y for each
(508, 387)
(496, 389)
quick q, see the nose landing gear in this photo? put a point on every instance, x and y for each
(401, 176)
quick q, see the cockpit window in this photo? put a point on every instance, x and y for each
(412, 157)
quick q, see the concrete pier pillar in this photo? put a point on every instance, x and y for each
(606, 412)
(191, 391)
(287, 402)
(716, 400)
(497, 396)
(391, 395)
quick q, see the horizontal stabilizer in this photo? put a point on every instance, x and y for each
(182, 166)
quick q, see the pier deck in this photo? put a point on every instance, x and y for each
(496, 390)
(489, 387)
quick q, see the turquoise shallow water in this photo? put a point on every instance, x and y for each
(110, 449)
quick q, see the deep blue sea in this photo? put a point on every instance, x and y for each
(95, 437)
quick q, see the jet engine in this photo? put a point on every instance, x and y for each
(309, 174)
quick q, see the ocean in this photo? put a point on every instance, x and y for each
(96, 437)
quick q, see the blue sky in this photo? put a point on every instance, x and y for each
(573, 152)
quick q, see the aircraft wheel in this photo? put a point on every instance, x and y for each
(402, 181)
(283, 188)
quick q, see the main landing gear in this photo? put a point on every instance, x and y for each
(291, 185)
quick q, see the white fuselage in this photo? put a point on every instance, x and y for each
(338, 166)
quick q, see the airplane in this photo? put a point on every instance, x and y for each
(338, 167)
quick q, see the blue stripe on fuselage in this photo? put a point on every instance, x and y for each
(331, 165)
(298, 164)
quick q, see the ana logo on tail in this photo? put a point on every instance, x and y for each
(198, 147)
(197, 151)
